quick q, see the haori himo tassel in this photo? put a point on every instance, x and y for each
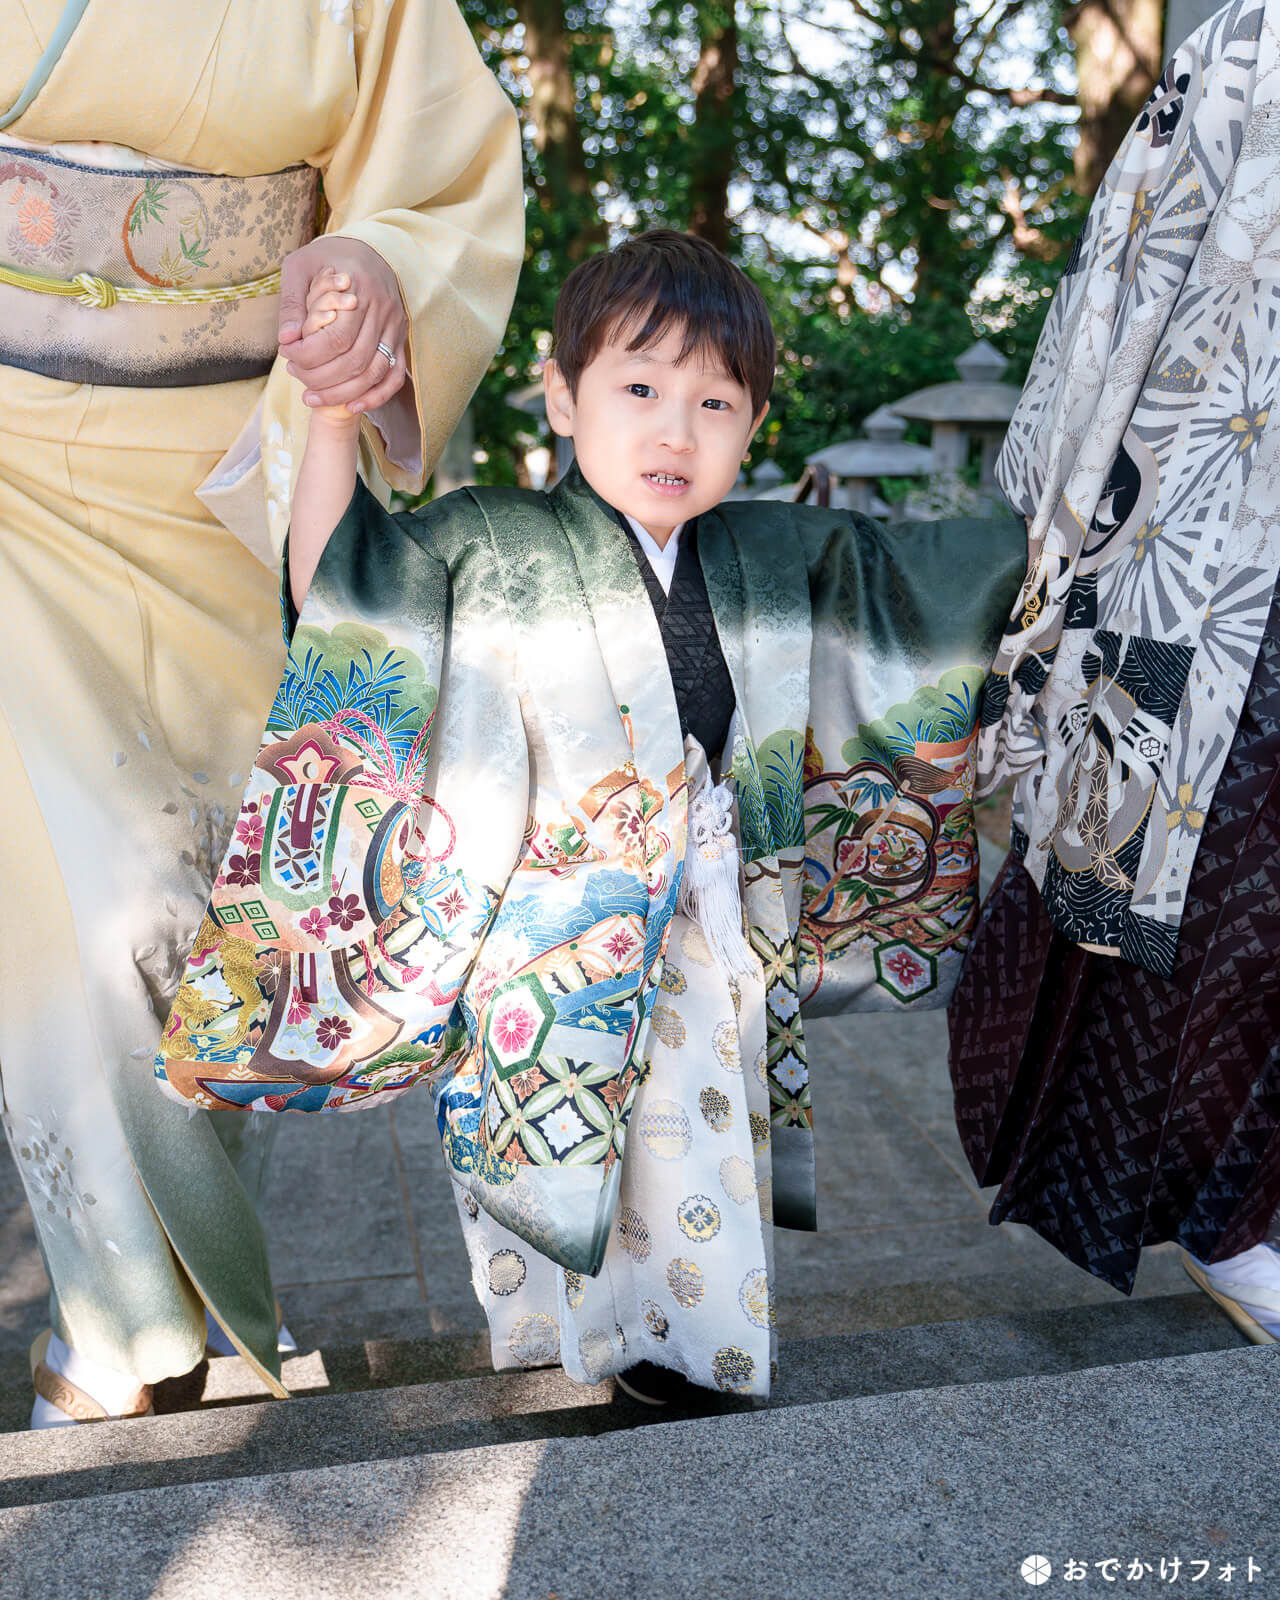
(710, 890)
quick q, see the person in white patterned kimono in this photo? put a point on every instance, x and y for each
(568, 802)
(1114, 1034)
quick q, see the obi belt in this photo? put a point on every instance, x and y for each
(144, 279)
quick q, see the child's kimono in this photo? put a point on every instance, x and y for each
(459, 859)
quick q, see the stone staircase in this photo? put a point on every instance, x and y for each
(952, 1399)
(920, 1460)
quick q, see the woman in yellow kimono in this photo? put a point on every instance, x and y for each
(147, 447)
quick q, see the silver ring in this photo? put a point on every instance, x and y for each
(390, 354)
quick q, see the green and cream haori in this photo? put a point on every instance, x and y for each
(459, 855)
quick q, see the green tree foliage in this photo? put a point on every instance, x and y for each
(896, 175)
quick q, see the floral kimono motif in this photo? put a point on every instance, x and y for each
(459, 854)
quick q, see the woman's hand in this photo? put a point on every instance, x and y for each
(340, 364)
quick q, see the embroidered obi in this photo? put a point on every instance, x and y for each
(159, 278)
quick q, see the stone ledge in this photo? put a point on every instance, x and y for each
(439, 1417)
(931, 1495)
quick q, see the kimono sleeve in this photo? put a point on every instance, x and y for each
(1111, 306)
(906, 620)
(428, 174)
(339, 931)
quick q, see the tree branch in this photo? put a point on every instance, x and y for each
(1027, 240)
(1015, 97)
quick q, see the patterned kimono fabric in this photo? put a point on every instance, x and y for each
(686, 1278)
(1115, 1034)
(142, 641)
(459, 858)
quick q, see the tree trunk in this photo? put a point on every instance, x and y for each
(1118, 59)
(713, 147)
(938, 281)
(564, 187)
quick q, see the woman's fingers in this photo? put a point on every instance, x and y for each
(378, 374)
(326, 377)
(381, 392)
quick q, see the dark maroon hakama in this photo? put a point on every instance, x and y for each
(1116, 1108)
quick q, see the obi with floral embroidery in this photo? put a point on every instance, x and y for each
(198, 250)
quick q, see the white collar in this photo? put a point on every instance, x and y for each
(661, 558)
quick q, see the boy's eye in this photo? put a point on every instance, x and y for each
(718, 405)
(642, 391)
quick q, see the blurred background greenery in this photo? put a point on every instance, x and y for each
(899, 176)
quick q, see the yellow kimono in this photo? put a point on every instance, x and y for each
(138, 533)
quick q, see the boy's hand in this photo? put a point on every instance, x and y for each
(329, 294)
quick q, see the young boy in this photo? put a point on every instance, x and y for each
(487, 841)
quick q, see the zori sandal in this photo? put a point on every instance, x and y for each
(68, 1398)
(1238, 1300)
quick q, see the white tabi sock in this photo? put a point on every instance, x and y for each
(1258, 1270)
(111, 1389)
(217, 1341)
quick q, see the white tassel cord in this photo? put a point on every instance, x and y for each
(709, 893)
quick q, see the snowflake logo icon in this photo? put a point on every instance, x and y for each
(1036, 1570)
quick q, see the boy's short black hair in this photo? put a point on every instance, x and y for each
(656, 281)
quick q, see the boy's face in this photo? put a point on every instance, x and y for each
(660, 441)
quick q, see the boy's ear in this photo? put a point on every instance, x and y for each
(756, 425)
(559, 399)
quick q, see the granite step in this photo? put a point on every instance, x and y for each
(407, 1408)
(940, 1493)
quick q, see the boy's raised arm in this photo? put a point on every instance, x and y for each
(327, 476)
(326, 481)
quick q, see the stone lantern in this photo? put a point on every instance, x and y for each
(767, 478)
(855, 464)
(978, 407)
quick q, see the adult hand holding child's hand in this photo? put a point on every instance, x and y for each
(341, 363)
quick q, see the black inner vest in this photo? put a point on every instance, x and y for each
(704, 689)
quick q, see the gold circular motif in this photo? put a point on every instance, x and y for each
(717, 1110)
(733, 1369)
(507, 1272)
(724, 1041)
(759, 1131)
(535, 1340)
(673, 980)
(699, 1218)
(693, 943)
(669, 1026)
(738, 1179)
(633, 1234)
(575, 1289)
(665, 1129)
(655, 1319)
(762, 1064)
(755, 1299)
(684, 1279)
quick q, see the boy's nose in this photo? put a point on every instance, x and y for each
(676, 432)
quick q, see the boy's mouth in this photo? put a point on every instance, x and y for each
(666, 482)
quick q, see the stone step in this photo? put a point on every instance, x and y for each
(1007, 1270)
(428, 1414)
(923, 1494)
